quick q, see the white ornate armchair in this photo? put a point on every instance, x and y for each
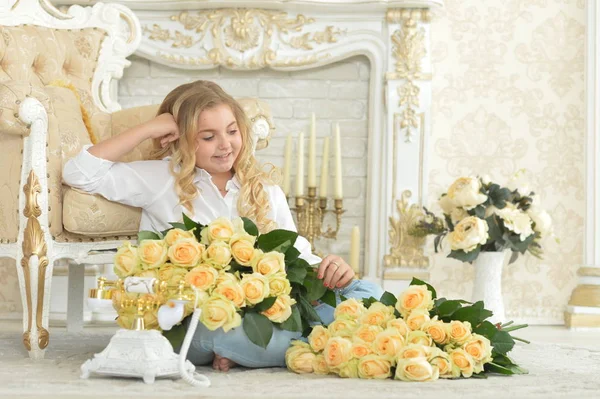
(57, 93)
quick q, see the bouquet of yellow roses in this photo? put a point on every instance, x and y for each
(412, 337)
(239, 276)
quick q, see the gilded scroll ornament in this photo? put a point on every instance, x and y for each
(34, 243)
(406, 250)
(242, 38)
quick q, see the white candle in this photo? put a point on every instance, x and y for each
(287, 163)
(355, 249)
(300, 168)
(324, 169)
(338, 163)
(312, 154)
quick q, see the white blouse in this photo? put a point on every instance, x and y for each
(149, 185)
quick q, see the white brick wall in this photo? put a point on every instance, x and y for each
(337, 93)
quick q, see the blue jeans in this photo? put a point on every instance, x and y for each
(236, 346)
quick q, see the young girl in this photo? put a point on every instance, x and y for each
(203, 164)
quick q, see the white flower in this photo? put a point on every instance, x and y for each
(464, 192)
(468, 234)
(485, 179)
(517, 221)
(542, 220)
(446, 204)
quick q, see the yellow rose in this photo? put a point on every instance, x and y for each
(462, 363)
(186, 252)
(374, 367)
(413, 298)
(416, 369)
(419, 337)
(219, 312)
(255, 287)
(269, 263)
(349, 369)
(350, 308)
(440, 359)
(279, 284)
(400, 325)
(319, 365)
(203, 277)
(414, 350)
(468, 234)
(299, 358)
(126, 261)
(226, 276)
(360, 349)
(172, 274)
(377, 315)
(342, 328)
(153, 253)
(388, 342)
(417, 318)
(220, 229)
(437, 330)
(231, 290)
(337, 351)
(480, 349)
(281, 310)
(367, 332)
(175, 234)
(460, 331)
(242, 248)
(218, 254)
(318, 337)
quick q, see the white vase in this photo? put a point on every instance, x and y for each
(487, 286)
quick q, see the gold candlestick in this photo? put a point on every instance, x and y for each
(310, 214)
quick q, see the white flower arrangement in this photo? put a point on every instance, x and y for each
(482, 216)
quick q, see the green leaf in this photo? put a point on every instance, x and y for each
(258, 329)
(250, 227)
(176, 334)
(502, 342)
(388, 299)
(236, 267)
(465, 256)
(486, 329)
(307, 311)
(314, 287)
(294, 322)
(296, 274)
(147, 235)
(481, 375)
(416, 281)
(447, 308)
(513, 257)
(474, 314)
(369, 301)
(480, 211)
(292, 254)
(329, 298)
(264, 305)
(277, 240)
(436, 242)
(494, 229)
(495, 368)
(189, 223)
(178, 225)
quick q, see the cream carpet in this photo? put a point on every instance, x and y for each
(555, 371)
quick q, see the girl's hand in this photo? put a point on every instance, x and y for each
(163, 127)
(335, 272)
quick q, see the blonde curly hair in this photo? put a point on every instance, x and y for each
(186, 103)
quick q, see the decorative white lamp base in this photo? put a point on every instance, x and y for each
(145, 354)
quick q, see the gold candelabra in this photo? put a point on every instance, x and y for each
(310, 213)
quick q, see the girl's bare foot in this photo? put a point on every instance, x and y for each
(222, 363)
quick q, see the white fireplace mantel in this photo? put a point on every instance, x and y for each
(303, 34)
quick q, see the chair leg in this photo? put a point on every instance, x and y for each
(74, 297)
(35, 281)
